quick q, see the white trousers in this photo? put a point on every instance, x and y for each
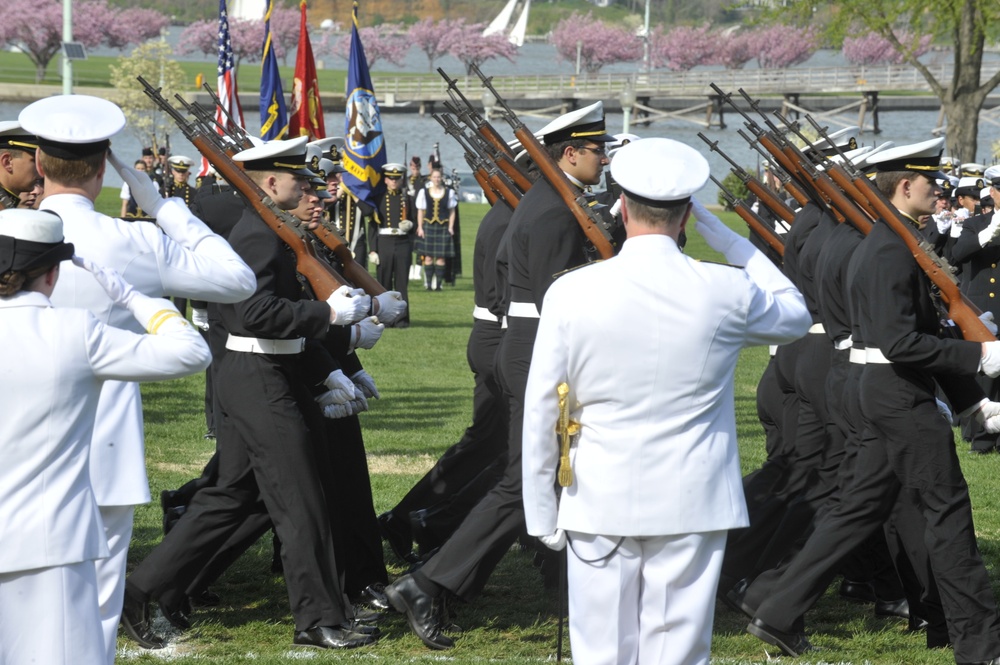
(50, 616)
(650, 603)
(111, 574)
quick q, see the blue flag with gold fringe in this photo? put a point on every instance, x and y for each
(273, 117)
(364, 142)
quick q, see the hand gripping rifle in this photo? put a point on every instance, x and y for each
(759, 189)
(593, 225)
(321, 276)
(753, 220)
(483, 168)
(961, 310)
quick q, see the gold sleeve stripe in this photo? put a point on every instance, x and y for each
(161, 317)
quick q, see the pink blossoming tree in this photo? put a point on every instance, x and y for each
(874, 49)
(467, 43)
(432, 37)
(600, 44)
(682, 48)
(386, 41)
(780, 46)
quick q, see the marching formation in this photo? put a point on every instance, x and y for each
(603, 427)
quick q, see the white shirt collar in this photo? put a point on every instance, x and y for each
(26, 299)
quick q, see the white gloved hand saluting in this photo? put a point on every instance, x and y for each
(365, 383)
(120, 291)
(348, 305)
(554, 541)
(365, 333)
(340, 389)
(389, 307)
(720, 237)
(143, 189)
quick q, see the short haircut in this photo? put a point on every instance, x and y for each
(887, 181)
(556, 150)
(660, 216)
(71, 172)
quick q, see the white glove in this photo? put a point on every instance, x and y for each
(359, 404)
(991, 231)
(334, 411)
(987, 319)
(405, 225)
(120, 291)
(373, 258)
(348, 305)
(943, 410)
(943, 222)
(956, 227)
(366, 383)
(554, 541)
(989, 415)
(199, 317)
(390, 307)
(990, 362)
(143, 189)
(340, 389)
(720, 237)
(366, 333)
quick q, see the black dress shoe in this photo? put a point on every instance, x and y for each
(734, 598)
(423, 612)
(204, 598)
(367, 615)
(331, 637)
(172, 608)
(355, 626)
(135, 621)
(791, 644)
(373, 596)
(861, 592)
(399, 537)
(893, 608)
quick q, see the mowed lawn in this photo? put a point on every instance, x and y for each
(426, 391)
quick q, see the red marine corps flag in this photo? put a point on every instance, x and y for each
(305, 112)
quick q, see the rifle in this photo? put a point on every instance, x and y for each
(594, 227)
(753, 220)
(786, 180)
(502, 158)
(321, 276)
(232, 129)
(472, 118)
(759, 189)
(485, 169)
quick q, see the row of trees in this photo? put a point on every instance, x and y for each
(35, 27)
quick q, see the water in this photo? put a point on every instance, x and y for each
(409, 133)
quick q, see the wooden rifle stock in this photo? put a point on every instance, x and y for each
(485, 145)
(752, 219)
(588, 219)
(353, 270)
(488, 188)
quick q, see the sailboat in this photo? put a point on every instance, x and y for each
(501, 24)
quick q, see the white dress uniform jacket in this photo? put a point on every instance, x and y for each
(188, 260)
(648, 343)
(55, 361)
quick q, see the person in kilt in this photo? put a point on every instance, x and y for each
(436, 209)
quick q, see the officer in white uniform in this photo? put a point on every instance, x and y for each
(56, 360)
(647, 343)
(179, 256)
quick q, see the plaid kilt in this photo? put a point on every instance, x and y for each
(437, 242)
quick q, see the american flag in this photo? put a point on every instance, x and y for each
(229, 111)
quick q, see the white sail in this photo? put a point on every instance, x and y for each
(516, 36)
(500, 23)
(248, 10)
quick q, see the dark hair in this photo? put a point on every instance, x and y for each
(887, 181)
(660, 217)
(13, 281)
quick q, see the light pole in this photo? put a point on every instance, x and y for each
(67, 64)
(645, 42)
(488, 103)
(627, 98)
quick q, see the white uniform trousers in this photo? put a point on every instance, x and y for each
(652, 602)
(111, 574)
(50, 616)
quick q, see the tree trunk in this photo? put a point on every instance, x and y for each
(964, 97)
(963, 126)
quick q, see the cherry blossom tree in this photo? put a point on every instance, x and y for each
(467, 43)
(780, 46)
(431, 37)
(285, 26)
(386, 41)
(874, 49)
(733, 49)
(247, 38)
(35, 27)
(682, 48)
(600, 43)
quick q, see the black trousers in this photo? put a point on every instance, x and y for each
(465, 562)
(910, 452)
(471, 467)
(395, 254)
(270, 455)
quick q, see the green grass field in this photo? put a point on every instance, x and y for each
(426, 404)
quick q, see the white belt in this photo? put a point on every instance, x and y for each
(843, 344)
(391, 232)
(525, 310)
(270, 346)
(875, 357)
(816, 328)
(484, 314)
(503, 323)
(773, 349)
(857, 356)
